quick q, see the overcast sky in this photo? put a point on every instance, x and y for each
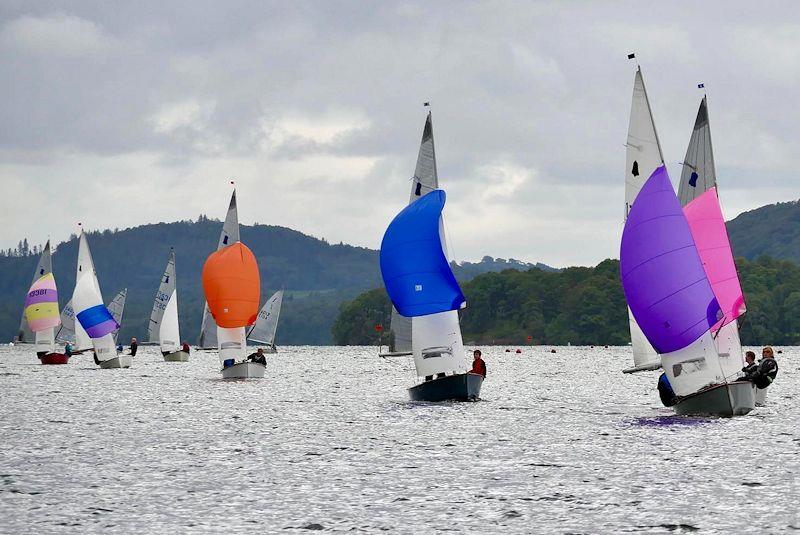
(123, 113)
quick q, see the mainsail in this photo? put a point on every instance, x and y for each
(228, 236)
(426, 179)
(232, 287)
(117, 309)
(263, 332)
(698, 174)
(45, 266)
(421, 285)
(41, 312)
(163, 328)
(94, 319)
(643, 156)
(667, 288)
(699, 197)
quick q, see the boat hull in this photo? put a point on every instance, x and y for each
(120, 361)
(244, 370)
(177, 356)
(761, 397)
(54, 358)
(460, 387)
(730, 399)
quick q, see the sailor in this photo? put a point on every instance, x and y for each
(258, 357)
(68, 349)
(665, 392)
(185, 347)
(751, 367)
(478, 364)
(134, 346)
(767, 368)
(119, 348)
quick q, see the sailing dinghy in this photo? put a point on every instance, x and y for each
(228, 236)
(95, 323)
(422, 288)
(42, 317)
(263, 332)
(643, 156)
(163, 328)
(673, 301)
(232, 288)
(25, 335)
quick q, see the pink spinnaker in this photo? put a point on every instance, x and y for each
(711, 238)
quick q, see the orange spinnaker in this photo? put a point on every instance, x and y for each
(232, 286)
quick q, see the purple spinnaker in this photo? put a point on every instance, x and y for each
(663, 278)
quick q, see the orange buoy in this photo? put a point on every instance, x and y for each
(232, 286)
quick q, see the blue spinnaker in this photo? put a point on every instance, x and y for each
(415, 270)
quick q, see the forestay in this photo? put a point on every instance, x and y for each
(44, 267)
(643, 155)
(228, 236)
(667, 288)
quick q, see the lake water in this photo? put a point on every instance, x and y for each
(559, 443)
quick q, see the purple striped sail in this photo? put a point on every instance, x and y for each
(663, 278)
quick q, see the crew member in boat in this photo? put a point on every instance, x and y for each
(134, 346)
(68, 349)
(185, 347)
(751, 367)
(767, 368)
(478, 364)
(258, 357)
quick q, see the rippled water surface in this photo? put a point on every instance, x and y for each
(560, 443)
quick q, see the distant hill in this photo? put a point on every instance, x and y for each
(317, 276)
(580, 305)
(772, 230)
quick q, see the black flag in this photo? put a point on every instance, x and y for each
(426, 103)
(631, 56)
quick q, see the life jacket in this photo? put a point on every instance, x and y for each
(767, 371)
(479, 367)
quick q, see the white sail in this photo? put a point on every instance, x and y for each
(232, 344)
(169, 337)
(694, 367)
(228, 236)
(46, 340)
(66, 331)
(266, 325)
(117, 309)
(163, 295)
(425, 180)
(44, 266)
(698, 174)
(643, 155)
(87, 295)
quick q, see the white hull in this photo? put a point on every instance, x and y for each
(177, 356)
(761, 397)
(121, 361)
(244, 370)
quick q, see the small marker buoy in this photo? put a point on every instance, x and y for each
(508, 351)
(519, 351)
(552, 351)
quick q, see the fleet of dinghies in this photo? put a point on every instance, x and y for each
(678, 272)
(676, 265)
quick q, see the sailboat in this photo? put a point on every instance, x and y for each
(643, 156)
(674, 303)
(263, 332)
(42, 317)
(95, 323)
(426, 179)
(421, 285)
(66, 332)
(163, 328)
(25, 335)
(699, 195)
(117, 309)
(232, 288)
(228, 236)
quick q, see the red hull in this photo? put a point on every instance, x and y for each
(54, 358)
